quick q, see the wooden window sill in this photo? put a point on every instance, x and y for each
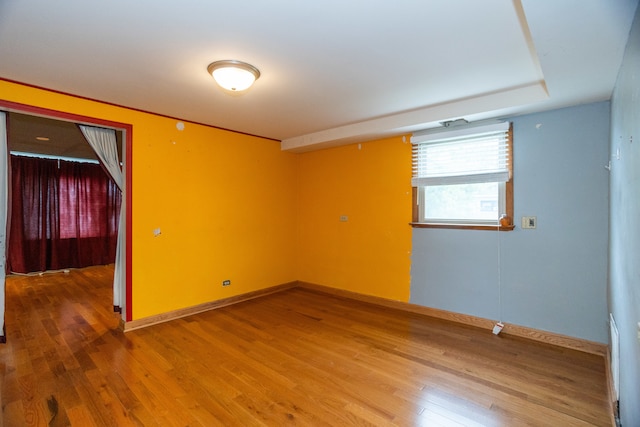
(462, 226)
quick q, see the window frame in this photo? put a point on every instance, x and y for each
(508, 196)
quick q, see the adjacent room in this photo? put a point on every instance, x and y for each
(399, 214)
(65, 207)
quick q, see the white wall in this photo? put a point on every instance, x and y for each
(624, 253)
(553, 278)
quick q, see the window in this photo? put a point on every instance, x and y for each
(462, 177)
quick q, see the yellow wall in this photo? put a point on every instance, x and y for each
(225, 204)
(371, 184)
(232, 206)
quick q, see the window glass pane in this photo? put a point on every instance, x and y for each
(464, 202)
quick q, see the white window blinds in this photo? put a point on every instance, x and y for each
(468, 155)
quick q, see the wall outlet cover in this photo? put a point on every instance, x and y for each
(529, 222)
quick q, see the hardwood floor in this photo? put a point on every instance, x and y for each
(297, 357)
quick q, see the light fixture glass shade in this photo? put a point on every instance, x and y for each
(233, 75)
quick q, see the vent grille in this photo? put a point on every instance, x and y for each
(615, 356)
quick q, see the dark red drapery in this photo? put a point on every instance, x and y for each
(64, 214)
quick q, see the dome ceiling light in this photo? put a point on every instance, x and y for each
(232, 75)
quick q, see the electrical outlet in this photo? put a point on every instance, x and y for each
(529, 222)
(226, 283)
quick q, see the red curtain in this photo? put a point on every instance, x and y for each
(63, 215)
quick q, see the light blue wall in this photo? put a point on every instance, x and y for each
(624, 253)
(554, 277)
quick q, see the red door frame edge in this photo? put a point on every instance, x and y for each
(24, 108)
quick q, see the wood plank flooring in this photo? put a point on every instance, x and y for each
(293, 358)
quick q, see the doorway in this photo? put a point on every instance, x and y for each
(28, 130)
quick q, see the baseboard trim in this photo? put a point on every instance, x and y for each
(212, 305)
(480, 322)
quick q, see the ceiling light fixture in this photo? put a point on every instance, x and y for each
(233, 75)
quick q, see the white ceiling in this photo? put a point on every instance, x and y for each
(332, 72)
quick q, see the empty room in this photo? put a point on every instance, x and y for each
(320, 213)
